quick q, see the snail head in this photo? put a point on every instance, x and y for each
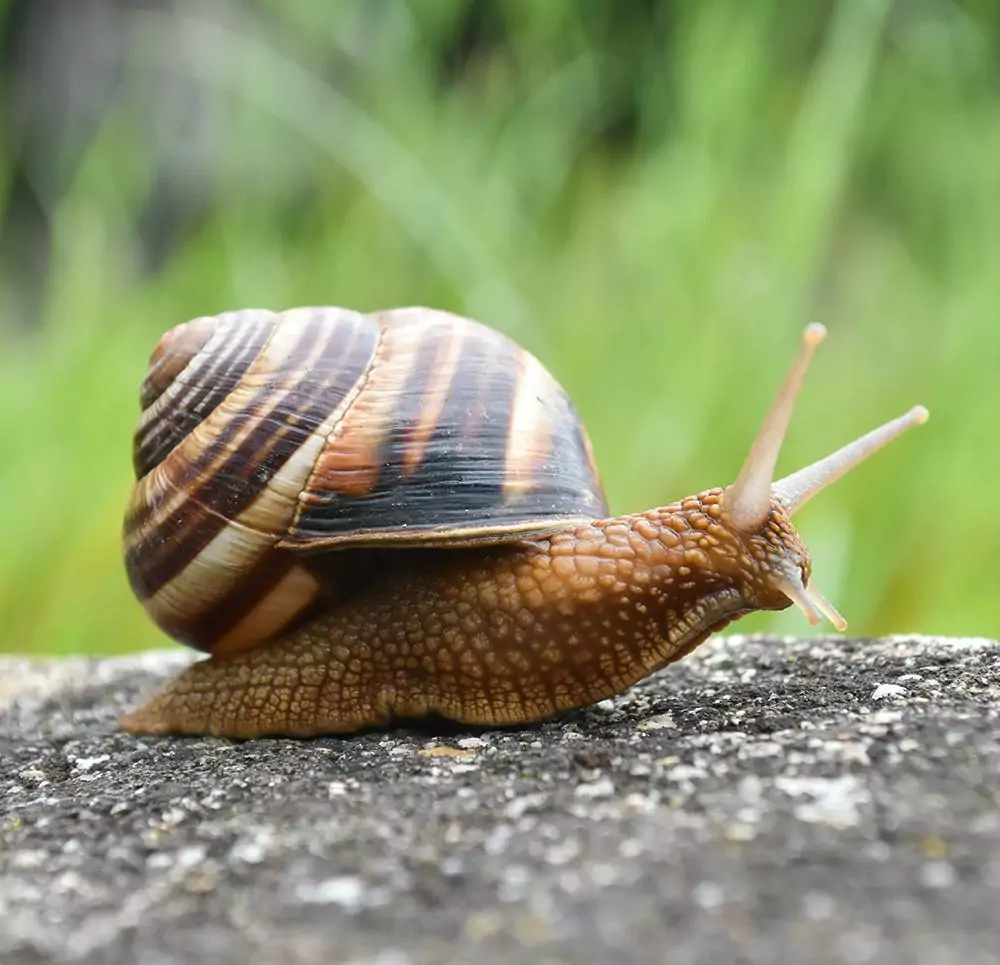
(759, 509)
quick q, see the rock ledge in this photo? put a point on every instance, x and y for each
(765, 800)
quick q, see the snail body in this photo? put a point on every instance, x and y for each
(370, 517)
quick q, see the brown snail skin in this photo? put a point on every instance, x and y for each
(363, 518)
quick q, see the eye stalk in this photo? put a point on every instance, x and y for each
(796, 490)
(746, 504)
(748, 501)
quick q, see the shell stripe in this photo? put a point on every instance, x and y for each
(529, 441)
(163, 505)
(172, 355)
(258, 582)
(218, 373)
(267, 613)
(251, 389)
(458, 453)
(168, 406)
(410, 422)
(545, 428)
(582, 443)
(206, 390)
(352, 457)
(440, 374)
(166, 476)
(183, 604)
(228, 475)
(162, 491)
(363, 445)
(476, 418)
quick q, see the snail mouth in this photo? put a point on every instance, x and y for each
(710, 614)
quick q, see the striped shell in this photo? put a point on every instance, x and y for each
(267, 438)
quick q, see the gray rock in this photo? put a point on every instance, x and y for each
(772, 801)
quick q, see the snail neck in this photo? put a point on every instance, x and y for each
(658, 582)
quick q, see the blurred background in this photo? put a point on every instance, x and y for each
(652, 197)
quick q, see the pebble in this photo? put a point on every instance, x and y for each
(345, 890)
(885, 691)
(937, 874)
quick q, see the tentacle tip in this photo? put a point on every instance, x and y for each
(814, 333)
(919, 415)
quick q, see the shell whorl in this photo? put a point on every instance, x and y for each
(267, 437)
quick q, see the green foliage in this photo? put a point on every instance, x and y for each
(654, 205)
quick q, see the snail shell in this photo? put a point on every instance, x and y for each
(268, 438)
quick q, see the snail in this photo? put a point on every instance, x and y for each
(365, 518)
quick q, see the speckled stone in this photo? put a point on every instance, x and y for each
(765, 800)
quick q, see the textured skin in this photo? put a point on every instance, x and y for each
(493, 636)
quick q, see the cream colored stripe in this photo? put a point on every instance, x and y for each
(529, 439)
(351, 455)
(287, 598)
(209, 576)
(446, 365)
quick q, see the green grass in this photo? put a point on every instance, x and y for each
(839, 166)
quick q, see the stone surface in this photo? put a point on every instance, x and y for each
(765, 801)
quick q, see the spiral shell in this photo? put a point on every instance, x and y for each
(267, 438)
